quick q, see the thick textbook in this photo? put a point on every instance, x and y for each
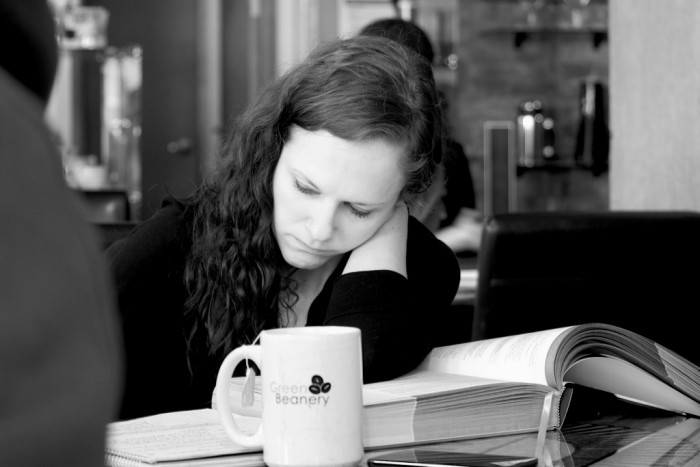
(515, 384)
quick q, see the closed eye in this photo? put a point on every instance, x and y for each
(357, 212)
(304, 189)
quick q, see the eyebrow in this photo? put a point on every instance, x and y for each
(354, 203)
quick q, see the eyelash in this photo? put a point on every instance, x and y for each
(303, 189)
(355, 212)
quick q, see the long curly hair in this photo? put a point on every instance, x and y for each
(358, 89)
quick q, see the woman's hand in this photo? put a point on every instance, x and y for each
(386, 249)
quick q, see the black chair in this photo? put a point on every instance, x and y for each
(634, 269)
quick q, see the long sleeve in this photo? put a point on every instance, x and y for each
(398, 317)
(148, 268)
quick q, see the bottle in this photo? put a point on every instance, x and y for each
(593, 138)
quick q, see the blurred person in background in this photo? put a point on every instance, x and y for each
(59, 343)
(448, 208)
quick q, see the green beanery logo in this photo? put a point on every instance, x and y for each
(315, 394)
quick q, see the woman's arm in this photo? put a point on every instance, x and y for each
(397, 314)
(386, 249)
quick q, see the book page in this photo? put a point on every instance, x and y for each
(190, 434)
(624, 379)
(401, 389)
(419, 383)
(423, 406)
(519, 358)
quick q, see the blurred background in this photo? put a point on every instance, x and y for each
(145, 91)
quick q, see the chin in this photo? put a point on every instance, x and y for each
(304, 261)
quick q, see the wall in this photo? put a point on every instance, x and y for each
(655, 104)
(494, 76)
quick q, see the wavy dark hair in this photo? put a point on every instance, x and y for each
(358, 89)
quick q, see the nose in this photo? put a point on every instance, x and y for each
(321, 224)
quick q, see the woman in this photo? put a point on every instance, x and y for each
(304, 223)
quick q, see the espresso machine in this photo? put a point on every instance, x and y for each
(534, 134)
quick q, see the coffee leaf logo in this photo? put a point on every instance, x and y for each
(318, 386)
(313, 395)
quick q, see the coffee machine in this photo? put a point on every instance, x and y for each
(534, 134)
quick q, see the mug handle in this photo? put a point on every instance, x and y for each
(251, 352)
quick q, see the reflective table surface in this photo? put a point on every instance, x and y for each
(640, 437)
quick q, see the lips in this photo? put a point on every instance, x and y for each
(307, 249)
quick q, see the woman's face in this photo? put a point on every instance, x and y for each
(331, 195)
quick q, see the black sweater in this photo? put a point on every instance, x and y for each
(397, 316)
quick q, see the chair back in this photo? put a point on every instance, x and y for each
(634, 269)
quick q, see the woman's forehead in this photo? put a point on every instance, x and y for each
(369, 171)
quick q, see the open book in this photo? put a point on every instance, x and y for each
(178, 439)
(514, 384)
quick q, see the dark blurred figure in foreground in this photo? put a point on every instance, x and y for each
(59, 354)
(449, 207)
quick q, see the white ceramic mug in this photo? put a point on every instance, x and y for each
(311, 396)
